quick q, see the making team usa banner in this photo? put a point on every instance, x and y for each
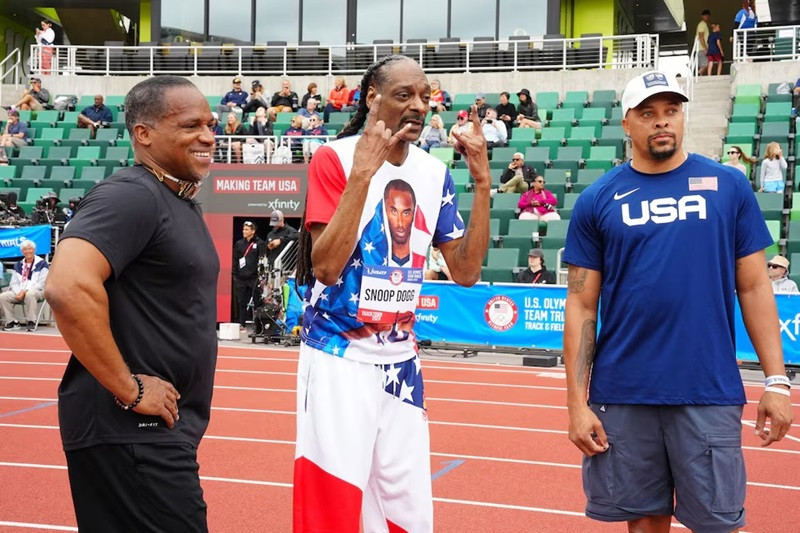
(11, 238)
(492, 315)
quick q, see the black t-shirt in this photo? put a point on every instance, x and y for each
(162, 307)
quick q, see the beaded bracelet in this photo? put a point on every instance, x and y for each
(138, 398)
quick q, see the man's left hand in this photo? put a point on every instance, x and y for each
(778, 408)
(472, 145)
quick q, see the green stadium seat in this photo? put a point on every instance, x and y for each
(745, 112)
(556, 234)
(606, 98)
(594, 117)
(9, 190)
(87, 100)
(105, 137)
(616, 116)
(86, 156)
(33, 173)
(538, 157)
(77, 137)
(523, 138)
(45, 119)
(50, 136)
(615, 137)
(86, 185)
(31, 194)
(748, 94)
(564, 118)
(552, 137)
(502, 258)
(775, 131)
(774, 227)
(740, 132)
(520, 236)
(503, 154)
(8, 172)
(793, 239)
(771, 205)
(28, 155)
(62, 173)
(443, 154)
(25, 116)
(569, 157)
(66, 193)
(601, 157)
(568, 206)
(576, 99)
(585, 177)
(582, 137)
(115, 100)
(773, 96)
(69, 120)
(504, 208)
(778, 112)
(546, 100)
(465, 200)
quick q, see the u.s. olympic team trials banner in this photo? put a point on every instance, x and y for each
(528, 316)
(11, 238)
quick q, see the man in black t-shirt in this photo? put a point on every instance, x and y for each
(246, 253)
(133, 287)
(280, 235)
(536, 271)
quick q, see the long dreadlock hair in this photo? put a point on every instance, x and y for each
(374, 75)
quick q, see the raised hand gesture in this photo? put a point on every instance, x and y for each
(376, 143)
(471, 144)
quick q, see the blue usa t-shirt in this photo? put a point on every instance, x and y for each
(666, 245)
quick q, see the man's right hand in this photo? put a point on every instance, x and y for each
(160, 398)
(586, 431)
(376, 143)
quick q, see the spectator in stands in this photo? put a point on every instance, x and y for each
(96, 116)
(315, 128)
(3, 156)
(295, 130)
(796, 95)
(216, 128)
(773, 169)
(246, 253)
(26, 287)
(354, 97)
(435, 266)
(778, 271)
(480, 102)
(715, 53)
(518, 177)
(745, 19)
(45, 37)
(538, 203)
(313, 92)
(462, 125)
(15, 133)
(308, 110)
(232, 128)
(536, 272)
(260, 127)
(34, 98)
(701, 38)
(434, 134)
(493, 129)
(234, 100)
(283, 101)
(337, 99)
(257, 98)
(527, 112)
(13, 208)
(736, 156)
(440, 101)
(280, 235)
(506, 112)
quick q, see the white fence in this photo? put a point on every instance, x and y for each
(184, 58)
(255, 149)
(775, 43)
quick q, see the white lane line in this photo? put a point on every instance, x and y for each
(511, 428)
(37, 350)
(249, 439)
(247, 481)
(28, 398)
(24, 378)
(260, 389)
(256, 372)
(503, 460)
(508, 404)
(235, 357)
(29, 525)
(31, 363)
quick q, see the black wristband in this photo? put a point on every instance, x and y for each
(138, 397)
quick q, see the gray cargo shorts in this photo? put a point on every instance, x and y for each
(662, 460)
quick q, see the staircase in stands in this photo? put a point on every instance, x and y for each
(708, 115)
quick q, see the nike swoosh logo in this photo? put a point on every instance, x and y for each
(618, 196)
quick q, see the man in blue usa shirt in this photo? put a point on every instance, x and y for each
(666, 242)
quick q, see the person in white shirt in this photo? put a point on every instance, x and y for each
(45, 37)
(27, 286)
(493, 129)
(778, 270)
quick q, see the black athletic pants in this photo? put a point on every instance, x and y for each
(137, 488)
(244, 291)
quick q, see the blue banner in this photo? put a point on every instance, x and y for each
(526, 316)
(492, 315)
(11, 238)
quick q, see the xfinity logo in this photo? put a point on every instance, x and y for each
(791, 326)
(664, 210)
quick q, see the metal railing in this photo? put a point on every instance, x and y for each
(774, 43)
(270, 149)
(628, 51)
(11, 66)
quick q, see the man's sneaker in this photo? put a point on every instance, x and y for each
(12, 326)
(31, 325)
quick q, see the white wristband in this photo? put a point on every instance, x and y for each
(777, 390)
(777, 380)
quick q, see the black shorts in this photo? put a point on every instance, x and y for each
(137, 487)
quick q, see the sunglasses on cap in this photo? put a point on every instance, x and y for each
(731, 152)
(249, 224)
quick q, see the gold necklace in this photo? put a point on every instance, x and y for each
(187, 189)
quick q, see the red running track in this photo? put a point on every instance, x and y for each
(507, 425)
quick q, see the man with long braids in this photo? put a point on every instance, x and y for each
(375, 204)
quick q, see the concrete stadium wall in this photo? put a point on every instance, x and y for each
(561, 81)
(764, 73)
